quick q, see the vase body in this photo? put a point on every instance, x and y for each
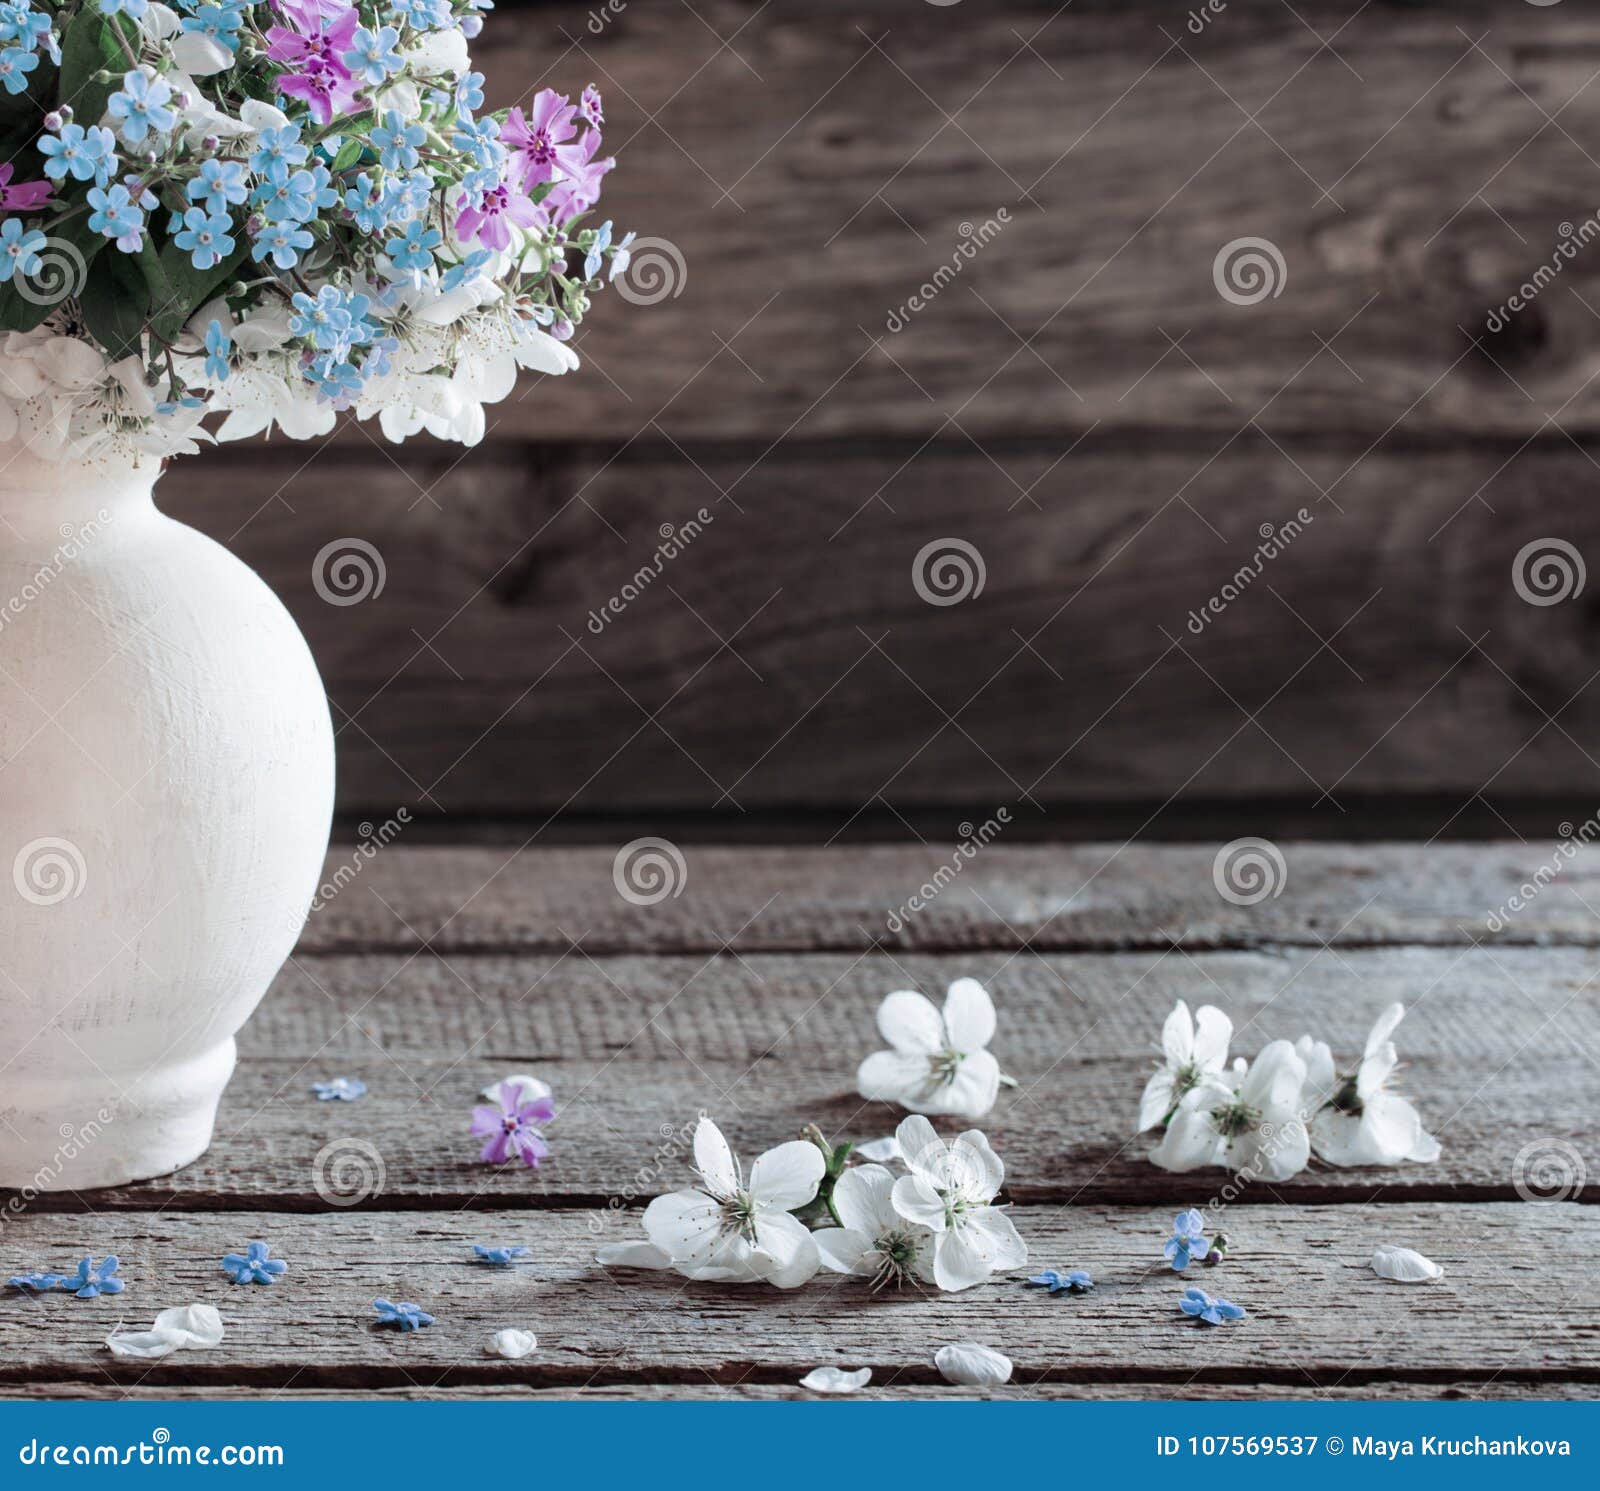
(166, 788)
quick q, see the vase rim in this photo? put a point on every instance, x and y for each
(24, 471)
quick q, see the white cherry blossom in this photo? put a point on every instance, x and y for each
(1356, 1119)
(950, 1191)
(875, 1241)
(1248, 1121)
(737, 1229)
(939, 1062)
(1193, 1048)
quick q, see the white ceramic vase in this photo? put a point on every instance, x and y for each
(166, 785)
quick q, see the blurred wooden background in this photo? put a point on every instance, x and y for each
(1078, 403)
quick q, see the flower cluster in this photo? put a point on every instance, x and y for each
(91, 1280)
(278, 210)
(1264, 1119)
(937, 1224)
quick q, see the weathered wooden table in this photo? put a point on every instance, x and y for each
(750, 997)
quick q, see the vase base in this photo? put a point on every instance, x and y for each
(58, 1134)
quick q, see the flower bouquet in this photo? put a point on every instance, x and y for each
(217, 217)
(275, 212)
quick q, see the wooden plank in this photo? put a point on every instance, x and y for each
(1318, 1314)
(1501, 1389)
(1059, 898)
(511, 662)
(1499, 1051)
(818, 169)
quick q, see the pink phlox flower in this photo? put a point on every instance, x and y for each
(511, 1128)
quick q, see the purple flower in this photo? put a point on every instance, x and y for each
(487, 220)
(539, 142)
(315, 53)
(511, 1127)
(580, 189)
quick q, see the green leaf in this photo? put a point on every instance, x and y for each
(349, 154)
(178, 289)
(115, 302)
(64, 261)
(90, 47)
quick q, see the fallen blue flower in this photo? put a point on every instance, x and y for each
(37, 1282)
(497, 1255)
(1188, 1240)
(1075, 1282)
(254, 1265)
(1202, 1306)
(90, 1281)
(407, 1316)
(339, 1089)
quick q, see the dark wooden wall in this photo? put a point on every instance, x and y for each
(1079, 403)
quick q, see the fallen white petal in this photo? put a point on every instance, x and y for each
(879, 1150)
(182, 1328)
(512, 1344)
(971, 1365)
(1404, 1266)
(836, 1380)
(631, 1255)
(529, 1088)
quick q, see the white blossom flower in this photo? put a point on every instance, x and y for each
(1249, 1121)
(1356, 1119)
(739, 1230)
(950, 1190)
(875, 1241)
(971, 1365)
(939, 1062)
(1194, 1048)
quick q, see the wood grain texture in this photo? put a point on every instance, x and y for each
(1499, 1389)
(1499, 1050)
(1319, 1317)
(816, 171)
(1066, 898)
(784, 659)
